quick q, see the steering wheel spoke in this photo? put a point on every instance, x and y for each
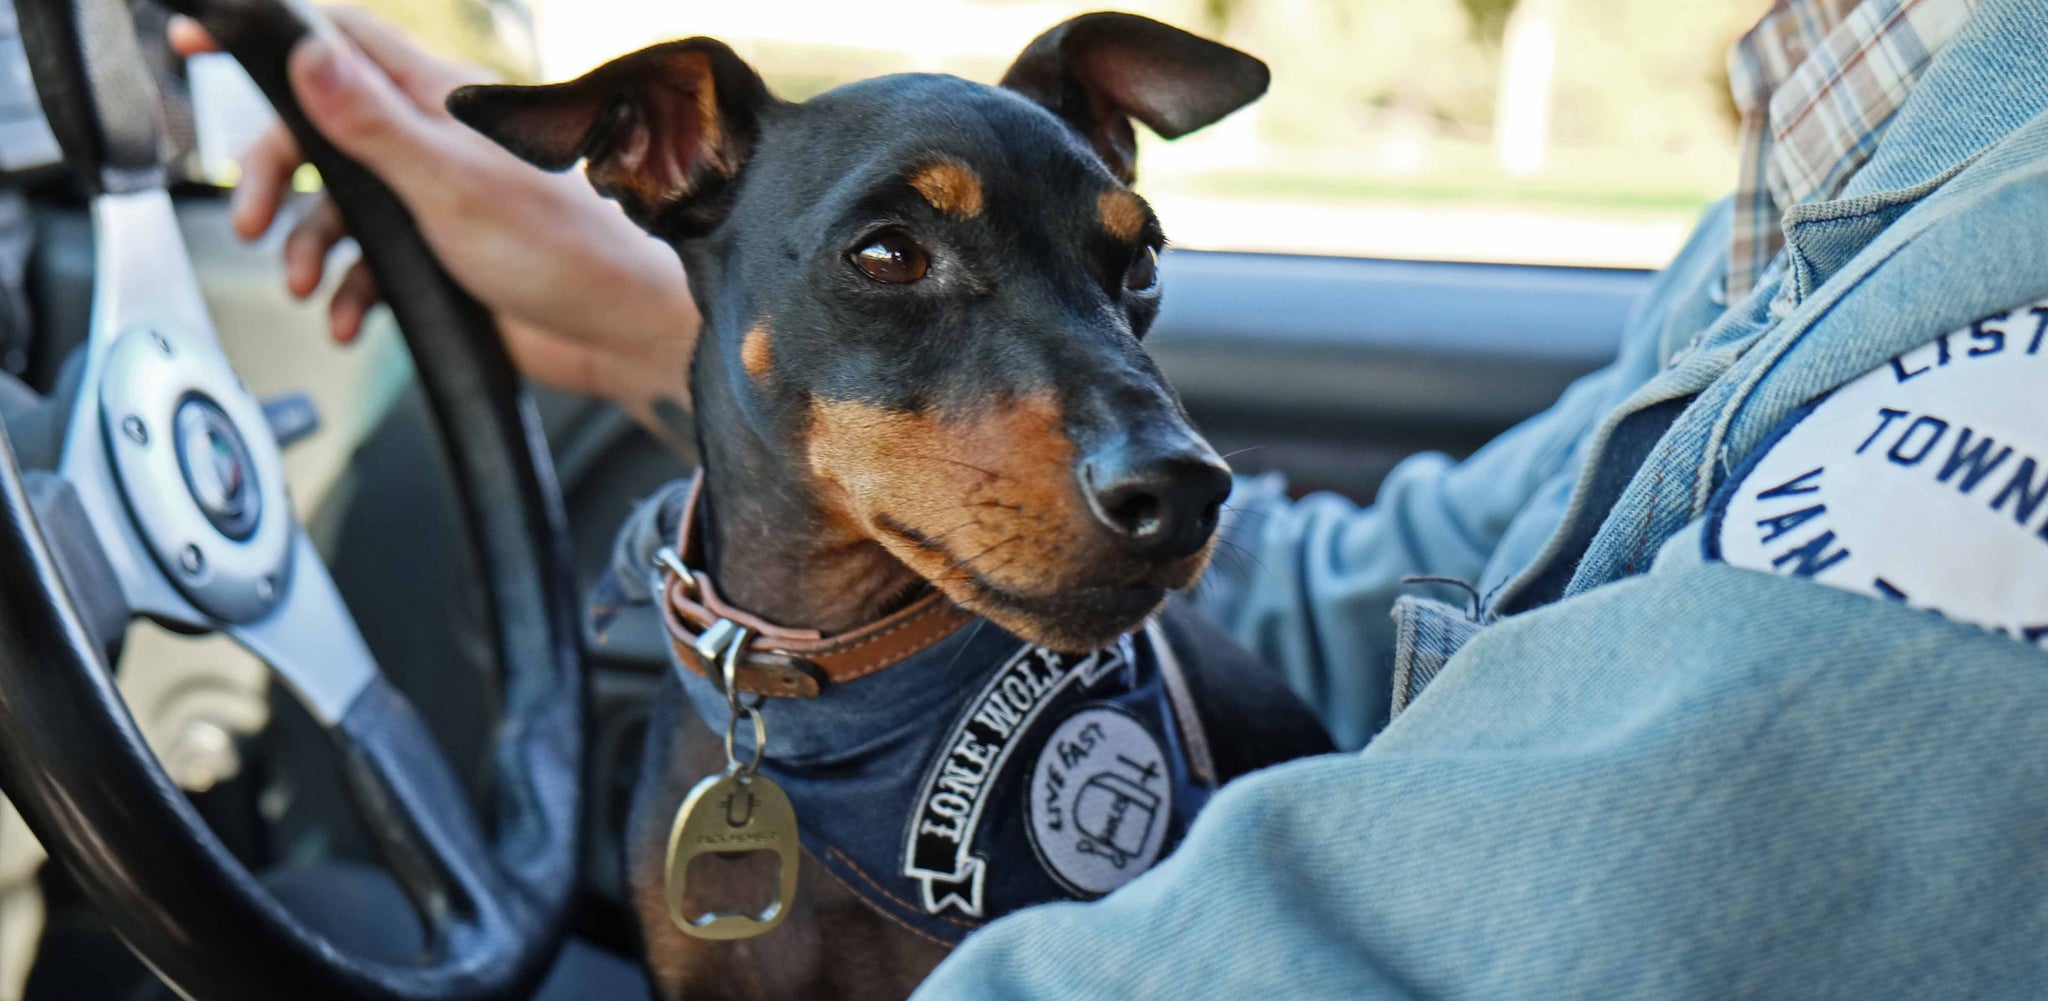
(144, 291)
(418, 813)
(177, 472)
(175, 468)
(309, 638)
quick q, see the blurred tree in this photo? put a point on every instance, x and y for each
(1528, 66)
(1217, 14)
(497, 34)
(1489, 18)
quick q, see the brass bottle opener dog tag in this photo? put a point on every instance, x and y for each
(733, 812)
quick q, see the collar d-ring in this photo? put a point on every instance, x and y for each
(733, 642)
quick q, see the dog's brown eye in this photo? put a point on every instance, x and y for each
(1143, 272)
(893, 257)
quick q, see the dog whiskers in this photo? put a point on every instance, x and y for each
(976, 631)
(977, 579)
(1244, 557)
(966, 560)
(935, 539)
(1224, 545)
(990, 473)
(974, 576)
(999, 566)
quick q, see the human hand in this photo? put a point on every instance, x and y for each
(585, 300)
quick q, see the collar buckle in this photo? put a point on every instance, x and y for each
(667, 560)
(715, 644)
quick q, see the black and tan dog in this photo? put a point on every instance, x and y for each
(924, 403)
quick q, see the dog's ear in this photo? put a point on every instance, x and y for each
(1099, 71)
(665, 130)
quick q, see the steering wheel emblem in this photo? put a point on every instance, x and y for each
(217, 467)
(207, 496)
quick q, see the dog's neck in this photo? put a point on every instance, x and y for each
(769, 542)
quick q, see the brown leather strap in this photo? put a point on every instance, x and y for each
(789, 663)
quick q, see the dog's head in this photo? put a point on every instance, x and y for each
(929, 294)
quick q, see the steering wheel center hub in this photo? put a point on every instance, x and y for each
(206, 496)
(218, 468)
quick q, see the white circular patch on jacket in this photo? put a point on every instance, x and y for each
(1100, 800)
(1924, 482)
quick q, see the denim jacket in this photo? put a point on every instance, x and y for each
(1641, 771)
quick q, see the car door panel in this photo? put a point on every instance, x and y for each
(1332, 369)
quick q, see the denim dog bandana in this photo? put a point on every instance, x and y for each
(985, 774)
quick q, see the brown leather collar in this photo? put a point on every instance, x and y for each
(784, 663)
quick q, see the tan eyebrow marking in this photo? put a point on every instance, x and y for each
(755, 352)
(1122, 214)
(951, 187)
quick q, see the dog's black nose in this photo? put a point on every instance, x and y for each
(1160, 505)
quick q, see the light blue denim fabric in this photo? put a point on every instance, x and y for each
(1427, 634)
(1654, 775)
(1309, 585)
(1709, 783)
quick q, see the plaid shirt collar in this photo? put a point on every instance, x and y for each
(1816, 82)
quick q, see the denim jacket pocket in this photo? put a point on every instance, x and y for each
(1427, 633)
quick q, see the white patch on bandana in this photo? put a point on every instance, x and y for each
(940, 850)
(1924, 482)
(1100, 799)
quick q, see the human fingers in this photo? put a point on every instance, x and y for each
(358, 108)
(354, 296)
(188, 39)
(267, 168)
(306, 247)
(423, 76)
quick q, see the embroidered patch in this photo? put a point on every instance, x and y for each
(939, 853)
(1923, 482)
(1099, 800)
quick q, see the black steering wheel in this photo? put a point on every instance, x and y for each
(168, 501)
